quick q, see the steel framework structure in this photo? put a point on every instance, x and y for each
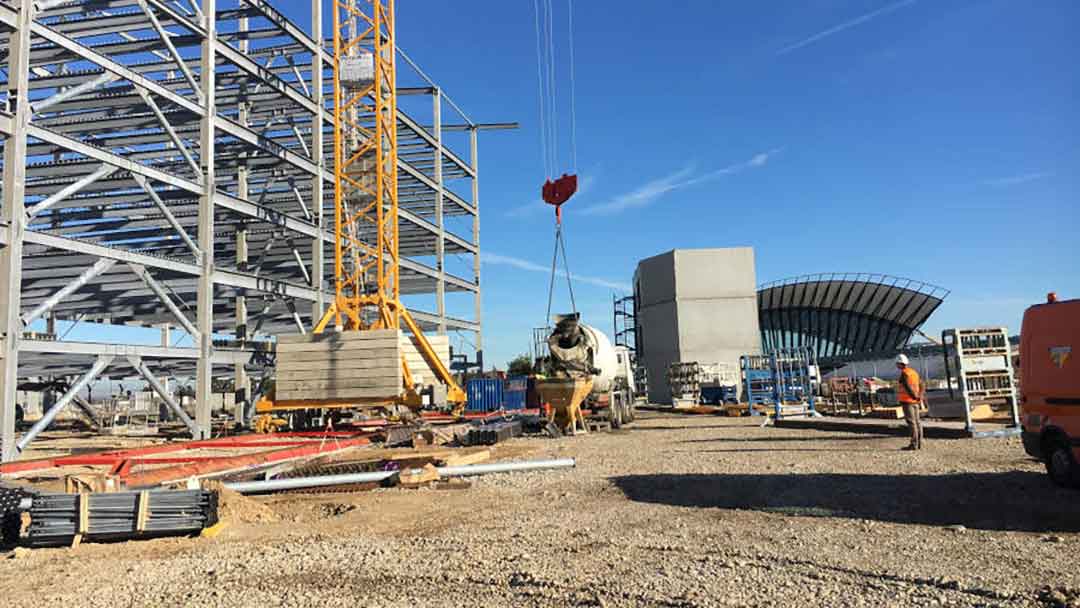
(165, 164)
(842, 315)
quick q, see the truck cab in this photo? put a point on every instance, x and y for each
(1050, 387)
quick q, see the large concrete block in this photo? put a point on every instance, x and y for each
(719, 330)
(659, 341)
(714, 273)
(654, 280)
(695, 305)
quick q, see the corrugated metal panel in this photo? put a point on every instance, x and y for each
(484, 395)
(515, 391)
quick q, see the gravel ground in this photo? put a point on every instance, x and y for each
(676, 511)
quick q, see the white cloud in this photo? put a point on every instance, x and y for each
(651, 191)
(506, 260)
(836, 29)
(1018, 179)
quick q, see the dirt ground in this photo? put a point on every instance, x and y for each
(675, 511)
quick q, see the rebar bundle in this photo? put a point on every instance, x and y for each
(56, 519)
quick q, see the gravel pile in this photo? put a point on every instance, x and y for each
(677, 511)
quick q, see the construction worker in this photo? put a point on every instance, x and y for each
(909, 392)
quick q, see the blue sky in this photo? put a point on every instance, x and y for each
(936, 140)
(932, 140)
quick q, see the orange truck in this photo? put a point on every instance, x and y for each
(1050, 387)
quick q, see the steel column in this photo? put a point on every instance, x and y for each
(241, 382)
(440, 243)
(13, 214)
(205, 298)
(318, 266)
(474, 161)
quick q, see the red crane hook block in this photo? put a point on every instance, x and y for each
(559, 191)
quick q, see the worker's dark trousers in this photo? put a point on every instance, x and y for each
(914, 422)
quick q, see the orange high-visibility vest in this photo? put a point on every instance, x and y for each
(913, 381)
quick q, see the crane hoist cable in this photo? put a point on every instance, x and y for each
(555, 191)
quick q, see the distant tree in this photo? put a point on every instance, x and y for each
(520, 365)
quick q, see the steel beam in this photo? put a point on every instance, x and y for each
(54, 347)
(166, 39)
(159, 290)
(100, 251)
(13, 215)
(102, 265)
(151, 379)
(116, 160)
(119, 69)
(181, 146)
(43, 423)
(145, 185)
(71, 189)
(75, 91)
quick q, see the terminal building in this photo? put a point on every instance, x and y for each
(704, 305)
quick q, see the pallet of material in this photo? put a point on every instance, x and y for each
(980, 412)
(418, 366)
(888, 413)
(361, 365)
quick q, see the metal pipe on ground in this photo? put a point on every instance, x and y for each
(278, 485)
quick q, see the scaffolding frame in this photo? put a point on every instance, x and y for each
(982, 360)
(168, 164)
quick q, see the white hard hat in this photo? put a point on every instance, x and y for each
(902, 359)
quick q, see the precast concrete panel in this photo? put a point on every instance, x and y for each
(714, 273)
(659, 326)
(655, 279)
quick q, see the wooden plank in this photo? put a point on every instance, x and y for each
(412, 477)
(461, 459)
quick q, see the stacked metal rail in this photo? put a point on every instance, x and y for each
(982, 360)
(57, 519)
(759, 383)
(782, 379)
(168, 164)
(684, 380)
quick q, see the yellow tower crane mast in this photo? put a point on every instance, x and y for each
(367, 278)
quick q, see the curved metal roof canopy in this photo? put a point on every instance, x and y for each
(844, 315)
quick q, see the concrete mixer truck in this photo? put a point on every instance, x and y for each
(582, 352)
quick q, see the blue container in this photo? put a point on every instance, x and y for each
(484, 395)
(514, 395)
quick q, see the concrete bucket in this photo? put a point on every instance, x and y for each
(565, 396)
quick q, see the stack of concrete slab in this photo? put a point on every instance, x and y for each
(695, 305)
(419, 368)
(361, 365)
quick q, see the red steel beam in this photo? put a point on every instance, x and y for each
(234, 463)
(116, 457)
